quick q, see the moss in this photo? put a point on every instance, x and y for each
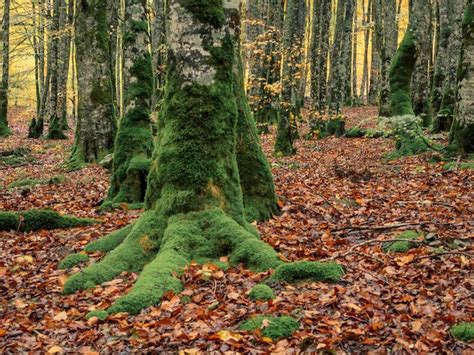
(109, 242)
(4, 130)
(462, 166)
(261, 293)
(277, 328)
(284, 137)
(34, 220)
(207, 11)
(462, 137)
(463, 331)
(55, 180)
(355, 132)
(327, 128)
(72, 260)
(402, 247)
(308, 270)
(17, 157)
(400, 76)
(99, 314)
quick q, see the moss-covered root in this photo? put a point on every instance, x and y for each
(272, 327)
(463, 331)
(308, 270)
(402, 246)
(132, 254)
(34, 220)
(261, 293)
(73, 260)
(109, 242)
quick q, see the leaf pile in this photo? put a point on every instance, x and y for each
(340, 201)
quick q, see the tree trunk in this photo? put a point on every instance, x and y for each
(95, 131)
(462, 131)
(158, 48)
(4, 130)
(403, 64)
(134, 142)
(365, 70)
(444, 118)
(374, 84)
(326, 14)
(55, 128)
(194, 200)
(291, 102)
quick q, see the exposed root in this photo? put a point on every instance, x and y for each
(111, 241)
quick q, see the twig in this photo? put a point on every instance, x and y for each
(460, 253)
(372, 227)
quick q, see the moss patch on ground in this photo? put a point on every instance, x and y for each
(72, 260)
(261, 293)
(463, 331)
(461, 166)
(55, 180)
(402, 246)
(308, 271)
(34, 220)
(16, 157)
(272, 327)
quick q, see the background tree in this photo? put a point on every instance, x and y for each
(96, 126)
(4, 130)
(462, 131)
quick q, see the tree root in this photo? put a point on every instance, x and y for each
(187, 237)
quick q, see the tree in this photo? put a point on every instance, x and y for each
(462, 131)
(96, 126)
(403, 64)
(291, 102)
(194, 205)
(134, 142)
(4, 130)
(447, 95)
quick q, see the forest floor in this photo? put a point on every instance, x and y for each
(341, 199)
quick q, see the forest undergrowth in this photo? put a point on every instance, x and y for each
(341, 200)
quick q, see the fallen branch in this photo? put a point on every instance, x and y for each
(460, 253)
(385, 227)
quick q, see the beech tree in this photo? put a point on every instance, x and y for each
(96, 126)
(462, 131)
(4, 130)
(194, 201)
(403, 65)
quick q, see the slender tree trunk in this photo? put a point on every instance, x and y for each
(326, 14)
(96, 125)
(365, 69)
(462, 131)
(4, 130)
(159, 48)
(293, 36)
(355, 59)
(374, 84)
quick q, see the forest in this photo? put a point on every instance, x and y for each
(237, 176)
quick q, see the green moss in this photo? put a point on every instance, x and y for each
(308, 270)
(277, 328)
(261, 293)
(100, 314)
(462, 166)
(109, 242)
(17, 157)
(207, 11)
(402, 247)
(463, 331)
(327, 128)
(55, 180)
(72, 260)
(4, 130)
(34, 220)
(462, 137)
(355, 132)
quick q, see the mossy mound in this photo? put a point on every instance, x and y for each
(261, 293)
(357, 132)
(277, 327)
(308, 271)
(34, 220)
(463, 331)
(327, 128)
(109, 242)
(72, 260)
(16, 157)
(462, 166)
(99, 314)
(55, 180)
(401, 246)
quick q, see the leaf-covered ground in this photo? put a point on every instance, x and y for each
(341, 199)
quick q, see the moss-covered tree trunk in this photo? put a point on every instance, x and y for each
(95, 131)
(462, 131)
(134, 142)
(290, 101)
(403, 64)
(4, 130)
(444, 117)
(194, 200)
